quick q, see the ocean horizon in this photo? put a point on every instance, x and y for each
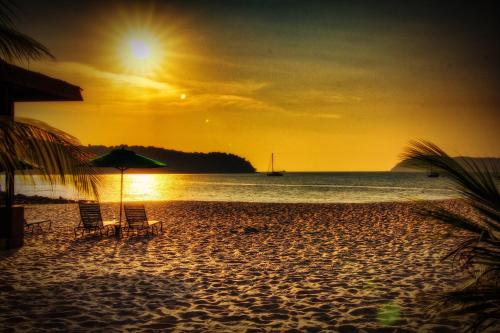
(294, 187)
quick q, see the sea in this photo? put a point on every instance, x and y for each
(293, 187)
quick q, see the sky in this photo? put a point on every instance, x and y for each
(326, 86)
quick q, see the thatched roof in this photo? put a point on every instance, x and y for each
(28, 86)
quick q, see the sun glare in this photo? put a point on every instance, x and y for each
(140, 49)
(142, 53)
(140, 41)
(147, 187)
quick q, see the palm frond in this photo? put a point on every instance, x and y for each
(58, 155)
(470, 299)
(474, 183)
(7, 13)
(479, 254)
(478, 183)
(15, 45)
(447, 216)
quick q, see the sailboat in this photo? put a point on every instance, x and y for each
(274, 173)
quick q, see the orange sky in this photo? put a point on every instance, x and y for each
(323, 86)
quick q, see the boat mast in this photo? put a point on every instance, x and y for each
(272, 162)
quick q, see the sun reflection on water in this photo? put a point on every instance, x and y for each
(138, 187)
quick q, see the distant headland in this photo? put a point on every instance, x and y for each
(183, 162)
(412, 166)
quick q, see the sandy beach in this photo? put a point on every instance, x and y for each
(233, 267)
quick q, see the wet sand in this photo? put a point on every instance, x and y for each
(233, 267)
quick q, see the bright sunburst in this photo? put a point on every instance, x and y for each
(140, 49)
(142, 53)
(142, 41)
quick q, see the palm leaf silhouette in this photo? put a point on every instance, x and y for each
(15, 45)
(479, 254)
(58, 155)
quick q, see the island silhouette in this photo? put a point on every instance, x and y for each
(186, 162)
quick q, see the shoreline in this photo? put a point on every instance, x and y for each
(22, 199)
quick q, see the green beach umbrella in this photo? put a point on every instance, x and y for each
(123, 159)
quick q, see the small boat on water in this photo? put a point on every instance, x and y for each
(273, 173)
(432, 173)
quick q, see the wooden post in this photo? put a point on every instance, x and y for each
(12, 218)
(7, 110)
(6, 102)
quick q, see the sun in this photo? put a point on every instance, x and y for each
(140, 40)
(142, 53)
(140, 49)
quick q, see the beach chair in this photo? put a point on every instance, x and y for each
(136, 220)
(91, 220)
(37, 224)
(33, 225)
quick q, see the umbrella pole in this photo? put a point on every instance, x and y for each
(121, 202)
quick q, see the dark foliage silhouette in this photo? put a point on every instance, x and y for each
(478, 255)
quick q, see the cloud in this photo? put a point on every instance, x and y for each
(244, 87)
(326, 115)
(226, 92)
(215, 102)
(83, 70)
(120, 90)
(329, 97)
